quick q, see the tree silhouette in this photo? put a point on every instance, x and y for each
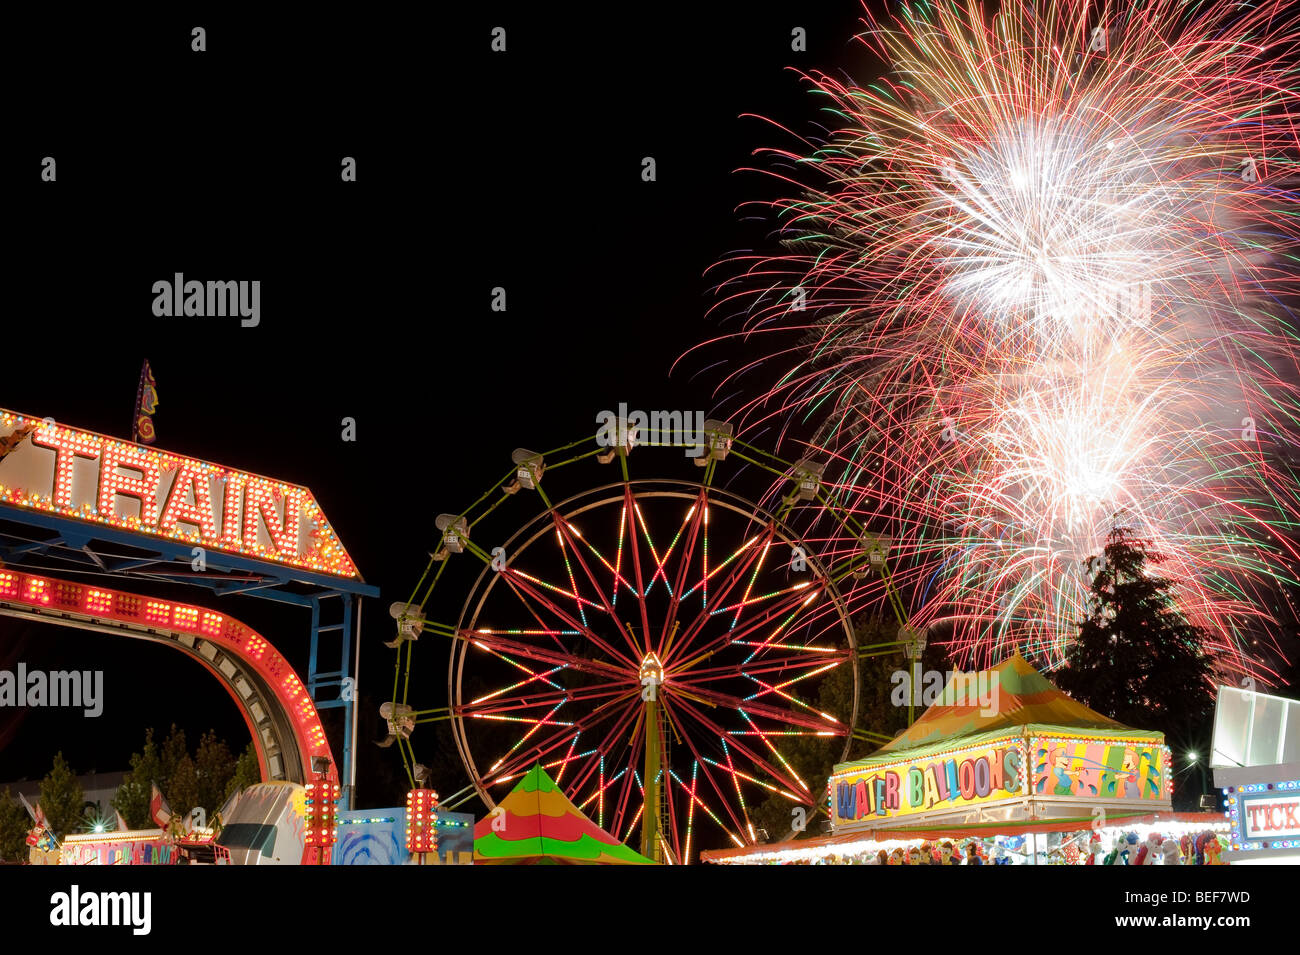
(205, 779)
(1137, 659)
(62, 798)
(14, 825)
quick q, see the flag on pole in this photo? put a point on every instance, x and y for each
(39, 836)
(38, 817)
(146, 402)
(121, 823)
(159, 811)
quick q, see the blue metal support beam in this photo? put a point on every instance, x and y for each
(87, 548)
(332, 689)
(160, 551)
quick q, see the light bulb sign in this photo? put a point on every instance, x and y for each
(1275, 818)
(1061, 773)
(1264, 815)
(90, 477)
(909, 787)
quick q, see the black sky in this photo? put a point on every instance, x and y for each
(475, 170)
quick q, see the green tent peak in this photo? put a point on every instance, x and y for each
(536, 780)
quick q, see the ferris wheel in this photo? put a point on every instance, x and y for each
(655, 644)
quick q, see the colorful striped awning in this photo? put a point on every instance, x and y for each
(537, 824)
(1021, 697)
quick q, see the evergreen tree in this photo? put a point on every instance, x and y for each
(182, 790)
(132, 797)
(14, 826)
(204, 779)
(62, 798)
(247, 772)
(215, 767)
(1137, 659)
(172, 752)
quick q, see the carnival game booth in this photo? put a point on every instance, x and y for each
(1004, 768)
(1004, 746)
(1183, 838)
(538, 825)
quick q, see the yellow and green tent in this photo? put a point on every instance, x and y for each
(1027, 703)
(538, 825)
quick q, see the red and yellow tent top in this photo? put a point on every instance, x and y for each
(1022, 700)
(537, 824)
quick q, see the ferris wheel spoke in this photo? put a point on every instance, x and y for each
(563, 528)
(622, 724)
(707, 575)
(635, 747)
(728, 582)
(776, 753)
(702, 763)
(746, 602)
(765, 665)
(514, 573)
(640, 788)
(668, 783)
(662, 561)
(654, 554)
(573, 581)
(737, 775)
(564, 658)
(692, 801)
(558, 767)
(533, 675)
(748, 753)
(715, 698)
(780, 688)
(544, 627)
(569, 620)
(537, 725)
(615, 569)
(735, 783)
(630, 509)
(695, 517)
(518, 760)
(564, 763)
(788, 608)
(489, 704)
(788, 604)
(749, 586)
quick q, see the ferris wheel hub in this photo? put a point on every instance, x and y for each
(652, 672)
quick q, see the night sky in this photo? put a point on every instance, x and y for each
(475, 170)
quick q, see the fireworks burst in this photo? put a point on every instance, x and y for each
(1037, 282)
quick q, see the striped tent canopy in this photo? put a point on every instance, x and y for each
(1026, 701)
(541, 826)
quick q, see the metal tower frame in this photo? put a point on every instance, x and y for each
(34, 539)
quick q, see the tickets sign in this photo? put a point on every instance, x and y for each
(101, 480)
(1273, 817)
(1264, 816)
